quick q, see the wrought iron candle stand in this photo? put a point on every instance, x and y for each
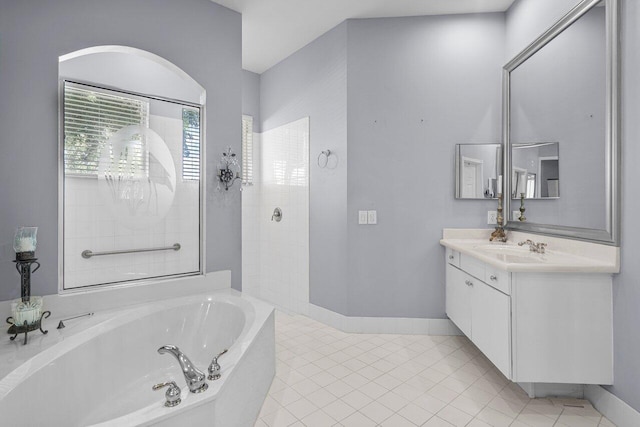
(24, 261)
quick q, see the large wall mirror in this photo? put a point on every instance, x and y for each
(561, 103)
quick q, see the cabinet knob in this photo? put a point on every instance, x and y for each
(450, 256)
(468, 282)
(492, 277)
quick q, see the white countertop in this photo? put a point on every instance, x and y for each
(561, 255)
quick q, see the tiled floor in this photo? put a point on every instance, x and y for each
(325, 377)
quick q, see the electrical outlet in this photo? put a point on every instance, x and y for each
(362, 217)
(492, 217)
(372, 217)
(516, 215)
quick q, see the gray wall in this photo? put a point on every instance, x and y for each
(525, 20)
(251, 97)
(313, 82)
(416, 87)
(200, 37)
(409, 101)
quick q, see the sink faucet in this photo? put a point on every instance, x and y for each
(195, 378)
(538, 248)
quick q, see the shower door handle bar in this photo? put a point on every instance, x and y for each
(88, 254)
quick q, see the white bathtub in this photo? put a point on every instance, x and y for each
(100, 370)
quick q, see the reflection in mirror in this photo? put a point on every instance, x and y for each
(535, 170)
(563, 90)
(478, 167)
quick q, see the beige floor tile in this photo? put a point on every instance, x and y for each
(454, 416)
(494, 418)
(321, 397)
(357, 420)
(376, 411)
(318, 418)
(393, 401)
(326, 378)
(338, 409)
(339, 388)
(357, 399)
(437, 422)
(397, 421)
(415, 414)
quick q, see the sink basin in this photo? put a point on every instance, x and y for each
(502, 249)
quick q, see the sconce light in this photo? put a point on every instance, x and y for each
(228, 170)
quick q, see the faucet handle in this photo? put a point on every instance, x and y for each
(214, 367)
(172, 394)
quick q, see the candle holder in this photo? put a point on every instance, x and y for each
(499, 235)
(26, 311)
(522, 209)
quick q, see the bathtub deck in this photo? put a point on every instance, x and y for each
(325, 377)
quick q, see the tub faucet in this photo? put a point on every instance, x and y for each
(195, 378)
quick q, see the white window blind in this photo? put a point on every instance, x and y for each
(91, 116)
(247, 150)
(190, 144)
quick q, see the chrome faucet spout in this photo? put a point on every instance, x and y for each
(194, 377)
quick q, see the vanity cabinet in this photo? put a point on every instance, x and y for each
(482, 313)
(550, 328)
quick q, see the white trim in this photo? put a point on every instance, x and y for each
(382, 325)
(612, 407)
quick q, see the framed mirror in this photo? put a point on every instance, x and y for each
(561, 101)
(477, 167)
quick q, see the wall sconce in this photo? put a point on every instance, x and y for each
(228, 170)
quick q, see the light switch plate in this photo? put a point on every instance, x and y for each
(362, 217)
(492, 217)
(372, 217)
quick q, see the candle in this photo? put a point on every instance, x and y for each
(25, 239)
(499, 189)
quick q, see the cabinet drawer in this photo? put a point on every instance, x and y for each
(453, 257)
(472, 266)
(499, 279)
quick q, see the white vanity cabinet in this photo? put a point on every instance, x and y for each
(535, 327)
(482, 312)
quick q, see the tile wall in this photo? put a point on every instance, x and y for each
(276, 254)
(90, 224)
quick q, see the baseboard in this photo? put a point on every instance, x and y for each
(612, 407)
(382, 325)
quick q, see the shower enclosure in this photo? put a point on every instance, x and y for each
(275, 218)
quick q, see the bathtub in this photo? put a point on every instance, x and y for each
(99, 371)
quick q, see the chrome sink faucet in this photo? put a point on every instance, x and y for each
(195, 378)
(538, 248)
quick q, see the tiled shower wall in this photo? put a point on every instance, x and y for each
(275, 264)
(89, 224)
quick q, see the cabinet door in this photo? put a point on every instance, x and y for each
(491, 320)
(458, 299)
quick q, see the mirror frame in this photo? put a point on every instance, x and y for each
(611, 234)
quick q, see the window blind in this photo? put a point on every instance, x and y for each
(247, 150)
(190, 144)
(91, 116)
